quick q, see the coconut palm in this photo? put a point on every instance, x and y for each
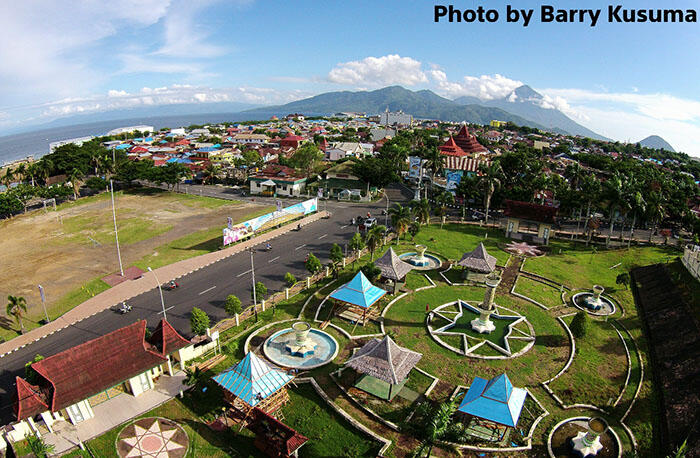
(421, 210)
(655, 210)
(17, 307)
(574, 173)
(437, 425)
(21, 172)
(32, 171)
(434, 161)
(615, 196)
(400, 219)
(75, 176)
(374, 238)
(489, 181)
(9, 177)
(638, 205)
(590, 192)
(209, 173)
(442, 200)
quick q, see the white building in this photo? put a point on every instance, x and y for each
(128, 129)
(76, 141)
(393, 118)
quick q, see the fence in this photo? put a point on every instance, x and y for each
(691, 260)
(292, 291)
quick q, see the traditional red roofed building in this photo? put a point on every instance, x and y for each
(468, 142)
(468, 165)
(450, 148)
(183, 142)
(69, 384)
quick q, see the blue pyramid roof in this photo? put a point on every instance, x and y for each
(359, 291)
(252, 379)
(494, 400)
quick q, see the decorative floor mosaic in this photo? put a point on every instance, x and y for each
(152, 438)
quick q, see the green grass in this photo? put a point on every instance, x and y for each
(453, 240)
(415, 280)
(77, 229)
(542, 293)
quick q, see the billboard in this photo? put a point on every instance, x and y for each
(414, 166)
(453, 179)
(236, 232)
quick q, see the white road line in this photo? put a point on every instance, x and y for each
(207, 290)
(243, 273)
(343, 227)
(300, 247)
(324, 235)
(273, 259)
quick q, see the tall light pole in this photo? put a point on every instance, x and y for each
(116, 233)
(386, 216)
(160, 290)
(43, 302)
(255, 299)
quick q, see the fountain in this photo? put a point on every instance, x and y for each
(587, 443)
(420, 260)
(594, 302)
(300, 347)
(483, 324)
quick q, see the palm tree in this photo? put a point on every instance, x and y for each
(437, 425)
(400, 219)
(615, 191)
(590, 190)
(374, 238)
(574, 173)
(442, 200)
(489, 181)
(655, 210)
(434, 161)
(421, 210)
(33, 171)
(21, 172)
(74, 177)
(413, 229)
(638, 205)
(9, 177)
(209, 173)
(16, 307)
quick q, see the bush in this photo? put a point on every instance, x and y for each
(260, 291)
(623, 279)
(313, 264)
(371, 271)
(233, 305)
(579, 324)
(289, 279)
(30, 374)
(231, 347)
(96, 184)
(336, 254)
(199, 321)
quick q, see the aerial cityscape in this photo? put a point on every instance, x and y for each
(324, 243)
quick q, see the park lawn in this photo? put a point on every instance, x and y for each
(597, 374)
(132, 229)
(415, 280)
(540, 292)
(406, 319)
(453, 240)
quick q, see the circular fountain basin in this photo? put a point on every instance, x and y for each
(276, 349)
(425, 262)
(587, 301)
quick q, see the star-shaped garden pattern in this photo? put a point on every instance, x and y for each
(152, 438)
(523, 249)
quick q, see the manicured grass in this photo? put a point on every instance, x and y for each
(453, 240)
(415, 280)
(542, 293)
(598, 371)
(328, 433)
(81, 228)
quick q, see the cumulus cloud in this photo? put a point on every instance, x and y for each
(183, 36)
(485, 87)
(379, 71)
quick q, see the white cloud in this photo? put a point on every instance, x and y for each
(378, 71)
(485, 87)
(184, 37)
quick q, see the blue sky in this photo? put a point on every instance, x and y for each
(625, 81)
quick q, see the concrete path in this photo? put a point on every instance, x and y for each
(128, 289)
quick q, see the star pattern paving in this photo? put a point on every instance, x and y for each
(523, 249)
(153, 442)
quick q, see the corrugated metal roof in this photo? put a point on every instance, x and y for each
(252, 379)
(494, 400)
(359, 291)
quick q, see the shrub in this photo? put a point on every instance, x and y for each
(289, 279)
(199, 321)
(623, 279)
(371, 271)
(260, 291)
(96, 183)
(579, 324)
(313, 264)
(30, 374)
(230, 348)
(233, 305)
(336, 254)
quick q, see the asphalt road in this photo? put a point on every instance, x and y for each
(206, 288)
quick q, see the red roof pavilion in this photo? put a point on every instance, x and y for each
(468, 142)
(450, 148)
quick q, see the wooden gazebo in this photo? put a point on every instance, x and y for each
(356, 298)
(393, 268)
(477, 264)
(382, 362)
(253, 383)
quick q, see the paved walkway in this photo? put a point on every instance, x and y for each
(113, 413)
(128, 289)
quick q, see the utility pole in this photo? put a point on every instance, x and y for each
(386, 216)
(160, 290)
(116, 233)
(43, 302)
(255, 299)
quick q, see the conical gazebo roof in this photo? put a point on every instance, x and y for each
(359, 291)
(478, 260)
(496, 400)
(252, 379)
(392, 266)
(385, 360)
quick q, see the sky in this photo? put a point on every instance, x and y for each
(624, 81)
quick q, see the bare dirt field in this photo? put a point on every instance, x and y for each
(67, 251)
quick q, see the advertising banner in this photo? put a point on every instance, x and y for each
(246, 229)
(414, 165)
(453, 180)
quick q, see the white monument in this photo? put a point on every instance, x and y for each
(483, 324)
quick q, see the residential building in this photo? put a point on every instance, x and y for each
(250, 138)
(129, 129)
(342, 150)
(277, 180)
(495, 123)
(340, 181)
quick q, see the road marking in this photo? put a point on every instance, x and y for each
(324, 235)
(207, 290)
(273, 259)
(172, 307)
(343, 227)
(300, 247)
(243, 273)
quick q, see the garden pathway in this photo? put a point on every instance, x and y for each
(510, 273)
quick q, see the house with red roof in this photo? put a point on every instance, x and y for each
(291, 140)
(66, 386)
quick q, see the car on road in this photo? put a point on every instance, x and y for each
(368, 223)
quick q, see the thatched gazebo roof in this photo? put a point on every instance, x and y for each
(478, 260)
(385, 360)
(392, 266)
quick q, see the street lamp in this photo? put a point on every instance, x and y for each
(160, 290)
(116, 234)
(255, 299)
(386, 215)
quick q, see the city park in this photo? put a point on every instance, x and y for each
(454, 337)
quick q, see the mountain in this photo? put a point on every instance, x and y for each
(529, 104)
(656, 142)
(423, 104)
